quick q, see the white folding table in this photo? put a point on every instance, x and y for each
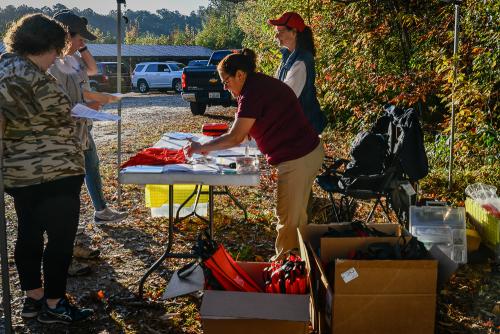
(218, 178)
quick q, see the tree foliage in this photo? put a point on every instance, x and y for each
(220, 29)
(163, 22)
(177, 37)
(371, 52)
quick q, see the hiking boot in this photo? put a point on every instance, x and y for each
(77, 268)
(83, 252)
(109, 216)
(31, 307)
(64, 313)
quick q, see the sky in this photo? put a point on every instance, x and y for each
(104, 6)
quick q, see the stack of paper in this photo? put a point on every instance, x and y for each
(205, 169)
(144, 169)
(176, 168)
(81, 111)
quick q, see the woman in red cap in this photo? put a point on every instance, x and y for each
(297, 64)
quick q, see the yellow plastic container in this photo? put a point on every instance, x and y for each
(156, 195)
(485, 223)
(473, 240)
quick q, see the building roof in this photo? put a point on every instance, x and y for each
(109, 50)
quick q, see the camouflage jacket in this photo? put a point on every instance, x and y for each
(39, 139)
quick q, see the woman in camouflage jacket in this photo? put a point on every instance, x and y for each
(43, 166)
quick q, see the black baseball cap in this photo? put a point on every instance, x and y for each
(74, 23)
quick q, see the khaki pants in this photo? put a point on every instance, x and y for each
(295, 180)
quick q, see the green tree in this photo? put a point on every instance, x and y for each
(102, 38)
(220, 28)
(371, 52)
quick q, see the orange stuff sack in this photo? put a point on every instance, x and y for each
(214, 129)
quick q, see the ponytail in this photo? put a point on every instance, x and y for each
(245, 61)
(305, 40)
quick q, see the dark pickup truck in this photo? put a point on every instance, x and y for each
(201, 85)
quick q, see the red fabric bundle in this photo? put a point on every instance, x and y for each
(156, 156)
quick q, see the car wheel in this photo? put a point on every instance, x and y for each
(177, 85)
(198, 108)
(143, 87)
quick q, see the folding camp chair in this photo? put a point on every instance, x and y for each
(398, 138)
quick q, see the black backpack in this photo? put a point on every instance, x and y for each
(368, 153)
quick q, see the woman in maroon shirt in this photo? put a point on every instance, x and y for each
(268, 111)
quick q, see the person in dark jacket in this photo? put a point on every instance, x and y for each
(297, 64)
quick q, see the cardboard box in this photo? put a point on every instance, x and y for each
(368, 296)
(249, 313)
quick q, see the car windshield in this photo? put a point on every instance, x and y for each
(139, 68)
(176, 67)
(198, 63)
(218, 56)
(112, 69)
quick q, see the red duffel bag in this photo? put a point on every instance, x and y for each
(214, 129)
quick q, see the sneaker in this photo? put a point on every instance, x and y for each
(31, 307)
(109, 216)
(64, 313)
(83, 252)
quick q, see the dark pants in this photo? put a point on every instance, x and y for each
(51, 207)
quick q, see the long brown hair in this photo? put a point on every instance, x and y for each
(305, 40)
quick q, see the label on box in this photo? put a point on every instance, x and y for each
(349, 275)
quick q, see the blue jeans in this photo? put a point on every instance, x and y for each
(93, 175)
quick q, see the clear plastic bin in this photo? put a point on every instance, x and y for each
(442, 226)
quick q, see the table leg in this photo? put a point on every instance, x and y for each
(235, 200)
(169, 243)
(211, 211)
(171, 222)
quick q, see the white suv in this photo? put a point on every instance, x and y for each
(157, 75)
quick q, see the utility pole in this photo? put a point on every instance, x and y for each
(453, 111)
(119, 90)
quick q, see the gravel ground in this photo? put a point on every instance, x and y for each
(129, 248)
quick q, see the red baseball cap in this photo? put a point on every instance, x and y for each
(291, 20)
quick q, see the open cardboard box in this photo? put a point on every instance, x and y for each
(250, 312)
(367, 296)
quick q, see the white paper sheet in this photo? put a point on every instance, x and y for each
(185, 168)
(82, 111)
(119, 95)
(180, 135)
(238, 151)
(206, 169)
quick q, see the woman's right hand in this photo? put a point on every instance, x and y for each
(192, 148)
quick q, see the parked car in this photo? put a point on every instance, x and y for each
(157, 75)
(198, 63)
(201, 85)
(105, 79)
